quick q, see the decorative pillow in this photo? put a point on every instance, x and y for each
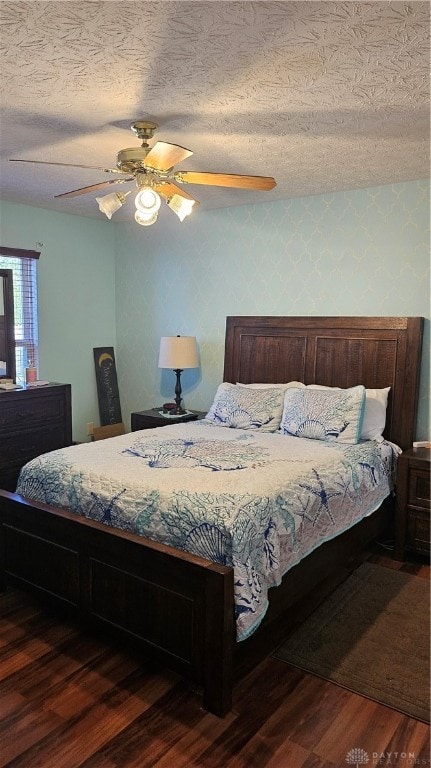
(330, 414)
(376, 401)
(245, 408)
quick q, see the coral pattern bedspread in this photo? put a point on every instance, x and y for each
(256, 501)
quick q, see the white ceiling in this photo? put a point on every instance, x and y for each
(324, 96)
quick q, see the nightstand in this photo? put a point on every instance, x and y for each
(412, 526)
(152, 418)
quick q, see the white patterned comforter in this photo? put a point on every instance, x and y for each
(256, 501)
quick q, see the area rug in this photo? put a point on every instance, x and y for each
(372, 636)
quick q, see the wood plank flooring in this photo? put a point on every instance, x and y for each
(70, 699)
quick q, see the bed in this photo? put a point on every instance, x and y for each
(179, 606)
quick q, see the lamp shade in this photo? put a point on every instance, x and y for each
(178, 352)
(108, 204)
(181, 206)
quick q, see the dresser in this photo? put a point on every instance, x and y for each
(32, 421)
(412, 527)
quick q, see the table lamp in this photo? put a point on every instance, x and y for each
(178, 353)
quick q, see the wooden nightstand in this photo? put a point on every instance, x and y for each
(152, 418)
(412, 527)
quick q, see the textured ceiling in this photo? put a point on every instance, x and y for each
(324, 96)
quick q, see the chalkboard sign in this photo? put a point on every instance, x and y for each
(107, 386)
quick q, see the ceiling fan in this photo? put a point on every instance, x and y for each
(151, 168)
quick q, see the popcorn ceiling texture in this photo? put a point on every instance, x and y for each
(324, 96)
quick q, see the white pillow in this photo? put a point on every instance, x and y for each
(376, 401)
(272, 386)
(324, 414)
(244, 408)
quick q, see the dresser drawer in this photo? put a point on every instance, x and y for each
(419, 488)
(25, 446)
(23, 413)
(412, 523)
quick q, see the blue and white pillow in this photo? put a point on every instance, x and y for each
(334, 415)
(243, 408)
(376, 403)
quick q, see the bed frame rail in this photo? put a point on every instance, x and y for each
(176, 606)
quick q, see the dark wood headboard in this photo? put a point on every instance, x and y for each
(335, 351)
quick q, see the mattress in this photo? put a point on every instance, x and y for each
(258, 502)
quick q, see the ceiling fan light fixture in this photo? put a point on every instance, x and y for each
(152, 168)
(111, 203)
(181, 206)
(145, 219)
(147, 201)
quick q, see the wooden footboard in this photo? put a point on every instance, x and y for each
(177, 607)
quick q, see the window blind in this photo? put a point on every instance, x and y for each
(23, 265)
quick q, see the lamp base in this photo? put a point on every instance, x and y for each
(177, 412)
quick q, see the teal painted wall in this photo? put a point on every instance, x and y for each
(363, 252)
(76, 295)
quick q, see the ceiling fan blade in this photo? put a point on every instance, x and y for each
(69, 165)
(163, 156)
(225, 180)
(167, 190)
(94, 187)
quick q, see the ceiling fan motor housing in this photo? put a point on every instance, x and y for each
(132, 158)
(144, 129)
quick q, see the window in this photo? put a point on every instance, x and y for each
(23, 265)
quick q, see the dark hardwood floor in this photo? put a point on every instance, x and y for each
(70, 699)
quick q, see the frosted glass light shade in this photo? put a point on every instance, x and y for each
(145, 219)
(181, 206)
(108, 204)
(178, 352)
(148, 201)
